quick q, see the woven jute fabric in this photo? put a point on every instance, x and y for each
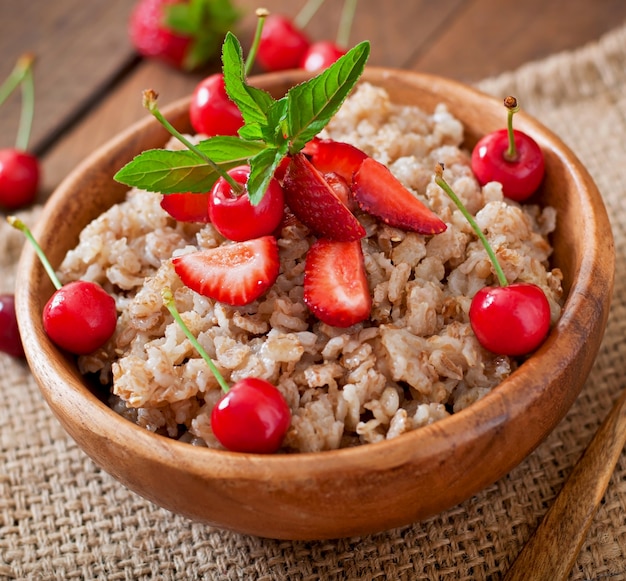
(63, 518)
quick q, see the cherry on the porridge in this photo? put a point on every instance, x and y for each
(510, 157)
(20, 169)
(187, 207)
(234, 216)
(211, 112)
(511, 319)
(252, 416)
(80, 316)
(10, 340)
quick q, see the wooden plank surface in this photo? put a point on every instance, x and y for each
(89, 81)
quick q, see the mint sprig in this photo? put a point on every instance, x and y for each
(272, 130)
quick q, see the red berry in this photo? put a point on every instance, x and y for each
(521, 177)
(211, 111)
(335, 283)
(235, 274)
(320, 55)
(510, 320)
(19, 178)
(187, 207)
(252, 417)
(10, 341)
(315, 203)
(380, 193)
(337, 157)
(234, 216)
(282, 44)
(80, 317)
(151, 37)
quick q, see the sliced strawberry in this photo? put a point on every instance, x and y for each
(235, 274)
(315, 204)
(380, 193)
(187, 207)
(335, 283)
(338, 157)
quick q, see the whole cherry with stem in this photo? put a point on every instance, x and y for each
(252, 416)
(510, 157)
(19, 169)
(80, 316)
(228, 205)
(211, 111)
(283, 42)
(10, 340)
(323, 53)
(511, 319)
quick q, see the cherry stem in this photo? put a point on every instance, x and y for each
(459, 204)
(150, 102)
(262, 14)
(168, 301)
(28, 109)
(19, 225)
(345, 23)
(512, 107)
(16, 76)
(306, 13)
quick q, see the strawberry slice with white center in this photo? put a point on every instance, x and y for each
(314, 202)
(378, 192)
(328, 155)
(235, 274)
(335, 283)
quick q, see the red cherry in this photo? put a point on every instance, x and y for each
(282, 44)
(510, 157)
(187, 207)
(510, 320)
(211, 111)
(19, 178)
(252, 417)
(235, 217)
(320, 55)
(80, 317)
(10, 341)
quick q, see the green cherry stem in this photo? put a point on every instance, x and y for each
(345, 22)
(306, 13)
(150, 102)
(19, 225)
(262, 14)
(450, 192)
(168, 301)
(512, 107)
(15, 77)
(28, 108)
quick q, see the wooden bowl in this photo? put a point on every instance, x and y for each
(363, 489)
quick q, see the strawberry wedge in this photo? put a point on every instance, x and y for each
(314, 202)
(335, 283)
(378, 192)
(235, 274)
(337, 157)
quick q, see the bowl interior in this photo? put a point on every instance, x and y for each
(337, 493)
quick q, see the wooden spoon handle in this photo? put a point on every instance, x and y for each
(551, 551)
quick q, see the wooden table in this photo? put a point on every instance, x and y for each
(89, 80)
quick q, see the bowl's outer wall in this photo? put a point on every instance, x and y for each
(368, 488)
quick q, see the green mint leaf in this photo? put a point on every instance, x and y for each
(312, 104)
(262, 168)
(253, 103)
(168, 172)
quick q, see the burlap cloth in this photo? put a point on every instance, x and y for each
(63, 518)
